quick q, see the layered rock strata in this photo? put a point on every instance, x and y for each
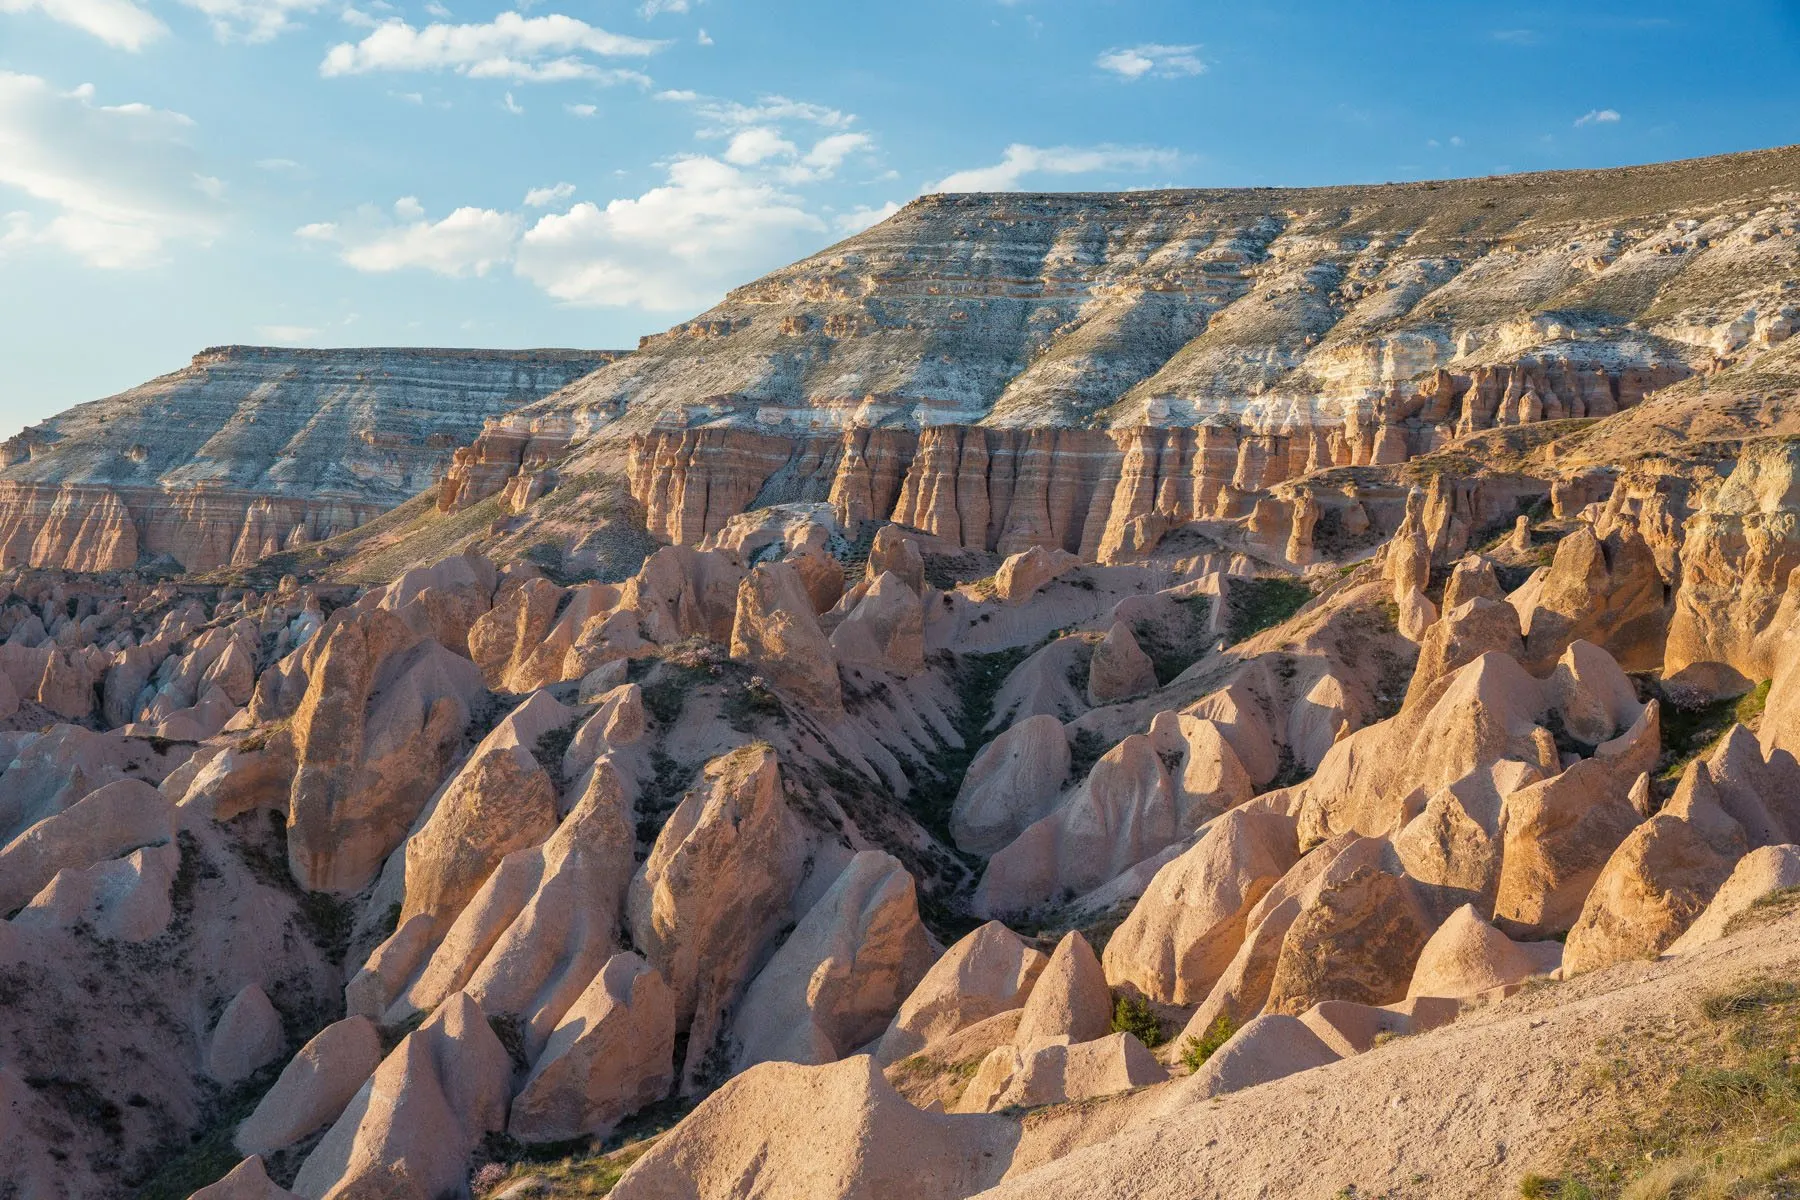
(251, 450)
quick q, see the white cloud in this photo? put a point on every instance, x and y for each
(470, 241)
(1152, 58)
(252, 20)
(677, 246)
(512, 106)
(280, 166)
(580, 110)
(547, 49)
(859, 219)
(1020, 161)
(678, 95)
(289, 335)
(757, 143)
(118, 23)
(651, 8)
(703, 38)
(726, 115)
(112, 184)
(1598, 116)
(433, 8)
(544, 197)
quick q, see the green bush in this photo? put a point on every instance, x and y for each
(1132, 1015)
(1196, 1050)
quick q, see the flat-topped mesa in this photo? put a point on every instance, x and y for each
(1172, 307)
(1097, 493)
(250, 450)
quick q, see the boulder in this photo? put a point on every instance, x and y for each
(612, 1053)
(410, 1129)
(374, 731)
(108, 822)
(544, 922)
(719, 886)
(1022, 574)
(1357, 935)
(1119, 668)
(501, 800)
(1070, 1001)
(247, 1037)
(1560, 832)
(1061, 1074)
(314, 1087)
(837, 981)
(1468, 956)
(1659, 880)
(1013, 782)
(1272, 1046)
(777, 633)
(1123, 813)
(885, 631)
(820, 1133)
(1189, 924)
(990, 971)
(1763, 871)
(246, 1181)
(892, 551)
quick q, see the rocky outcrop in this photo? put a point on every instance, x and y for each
(251, 450)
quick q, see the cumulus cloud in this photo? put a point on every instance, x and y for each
(118, 23)
(252, 20)
(544, 197)
(1152, 58)
(676, 246)
(580, 110)
(112, 184)
(859, 219)
(470, 241)
(757, 143)
(1021, 161)
(547, 49)
(1598, 116)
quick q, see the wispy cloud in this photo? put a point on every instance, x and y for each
(1598, 116)
(252, 20)
(1516, 37)
(859, 219)
(547, 49)
(113, 185)
(1152, 58)
(544, 197)
(580, 110)
(118, 23)
(1021, 161)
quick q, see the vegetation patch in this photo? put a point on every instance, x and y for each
(1690, 730)
(1196, 1050)
(1726, 1124)
(1253, 605)
(1134, 1016)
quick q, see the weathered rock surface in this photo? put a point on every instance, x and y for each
(838, 980)
(314, 1088)
(988, 972)
(612, 1053)
(249, 450)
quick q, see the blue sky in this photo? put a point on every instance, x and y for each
(181, 173)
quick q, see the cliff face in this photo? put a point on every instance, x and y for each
(1099, 493)
(1327, 306)
(249, 450)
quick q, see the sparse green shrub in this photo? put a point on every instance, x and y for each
(1196, 1050)
(1134, 1016)
(1254, 605)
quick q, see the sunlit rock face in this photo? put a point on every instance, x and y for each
(249, 450)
